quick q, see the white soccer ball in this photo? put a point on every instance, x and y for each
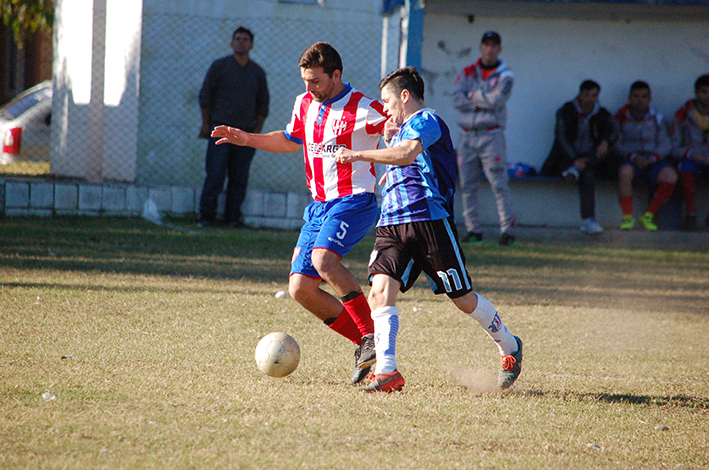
(277, 354)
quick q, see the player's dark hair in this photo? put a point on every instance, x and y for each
(589, 85)
(242, 30)
(407, 78)
(321, 54)
(701, 82)
(639, 85)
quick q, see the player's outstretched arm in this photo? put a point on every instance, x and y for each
(401, 155)
(275, 141)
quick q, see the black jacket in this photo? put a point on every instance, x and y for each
(567, 125)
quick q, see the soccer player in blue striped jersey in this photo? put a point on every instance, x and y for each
(416, 230)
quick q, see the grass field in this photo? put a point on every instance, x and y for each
(130, 345)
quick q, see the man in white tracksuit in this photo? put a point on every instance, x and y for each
(481, 93)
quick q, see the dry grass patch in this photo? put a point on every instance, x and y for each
(127, 345)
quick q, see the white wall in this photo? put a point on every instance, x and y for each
(95, 106)
(550, 58)
(128, 73)
(165, 66)
(72, 108)
(182, 38)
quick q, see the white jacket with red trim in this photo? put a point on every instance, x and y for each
(687, 137)
(483, 102)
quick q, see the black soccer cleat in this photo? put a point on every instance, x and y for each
(365, 357)
(506, 239)
(472, 237)
(359, 373)
(367, 354)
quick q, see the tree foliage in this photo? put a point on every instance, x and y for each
(27, 16)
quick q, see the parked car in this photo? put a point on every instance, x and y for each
(24, 125)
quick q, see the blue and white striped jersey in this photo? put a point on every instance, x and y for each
(424, 189)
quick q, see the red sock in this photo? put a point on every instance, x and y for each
(359, 310)
(689, 189)
(626, 204)
(662, 194)
(345, 326)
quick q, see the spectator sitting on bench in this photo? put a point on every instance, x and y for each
(643, 144)
(582, 149)
(690, 135)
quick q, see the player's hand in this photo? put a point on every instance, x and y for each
(230, 135)
(391, 127)
(602, 149)
(642, 162)
(345, 155)
(580, 163)
(382, 180)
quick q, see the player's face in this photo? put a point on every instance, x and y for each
(393, 104)
(588, 99)
(489, 50)
(639, 101)
(703, 96)
(320, 85)
(242, 43)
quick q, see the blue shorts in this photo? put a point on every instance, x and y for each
(336, 225)
(650, 172)
(692, 166)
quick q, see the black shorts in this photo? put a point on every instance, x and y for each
(404, 251)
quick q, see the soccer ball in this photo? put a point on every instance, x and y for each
(277, 354)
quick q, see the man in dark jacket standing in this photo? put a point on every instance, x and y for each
(234, 93)
(584, 135)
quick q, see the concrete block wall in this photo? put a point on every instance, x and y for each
(537, 203)
(281, 210)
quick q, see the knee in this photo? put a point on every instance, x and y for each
(383, 292)
(317, 257)
(299, 290)
(625, 172)
(294, 289)
(324, 261)
(467, 303)
(500, 188)
(668, 175)
(376, 299)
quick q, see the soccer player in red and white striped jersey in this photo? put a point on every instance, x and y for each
(329, 115)
(349, 120)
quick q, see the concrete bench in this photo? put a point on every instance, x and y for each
(542, 201)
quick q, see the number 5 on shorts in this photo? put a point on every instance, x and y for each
(343, 230)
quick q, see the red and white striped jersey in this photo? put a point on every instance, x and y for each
(348, 120)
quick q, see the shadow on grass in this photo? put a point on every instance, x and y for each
(675, 400)
(631, 298)
(134, 246)
(574, 276)
(681, 401)
(226, 289)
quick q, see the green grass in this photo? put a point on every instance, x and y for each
(144, 338)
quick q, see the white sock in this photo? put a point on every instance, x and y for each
(491, 322)
(386, 327)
